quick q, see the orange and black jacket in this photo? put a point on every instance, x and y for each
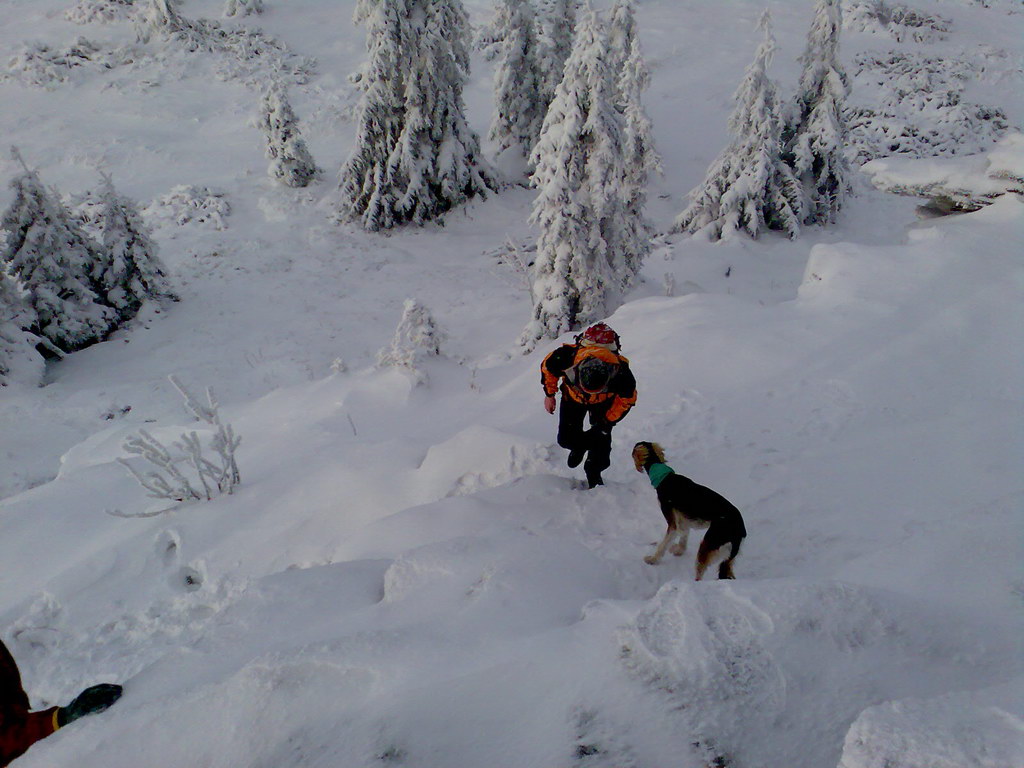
(19, 728)
(561, 365)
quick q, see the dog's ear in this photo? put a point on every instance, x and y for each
(639, 456)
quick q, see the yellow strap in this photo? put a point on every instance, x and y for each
(56, 724)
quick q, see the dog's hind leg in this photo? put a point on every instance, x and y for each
(705, 554)
(725, 567)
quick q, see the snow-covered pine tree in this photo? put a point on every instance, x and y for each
(242, 7)
(579, 211)
(19, 360)
(415, 156)
(367, 189)
(132, 271)
(54, 260)
(416, 338)
(621, 34)
(815, 126)
(519, 110)
(641, 159)
(557, 22)
(290, 160)
(749, 186)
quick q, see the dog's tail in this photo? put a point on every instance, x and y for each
(725, 567)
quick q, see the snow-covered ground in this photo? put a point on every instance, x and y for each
(408, 574)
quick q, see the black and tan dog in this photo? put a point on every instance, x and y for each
(687, 505)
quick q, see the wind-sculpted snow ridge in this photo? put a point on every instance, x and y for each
(980, 729)
(955, 184)
(705, 653)
(752, 667)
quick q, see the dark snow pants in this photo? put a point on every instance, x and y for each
(596, 441)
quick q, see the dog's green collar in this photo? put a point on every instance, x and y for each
(658, 472)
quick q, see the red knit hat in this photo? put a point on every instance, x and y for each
(601, 334)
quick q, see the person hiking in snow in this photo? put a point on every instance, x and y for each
(20, 728)
(595, 380)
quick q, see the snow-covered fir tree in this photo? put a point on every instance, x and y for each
(749, 186)
(579, 209)
(621, 34)
(815, 126)
(518, 79)
(290, 160)
(55, 262)
(641, 160)
(415, 156)
(557, 24)
(131, 270)
(416, 338)
(242, 7)
(19, 360)
(368, 191)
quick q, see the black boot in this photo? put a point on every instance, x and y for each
(576, 456)
(594, 479)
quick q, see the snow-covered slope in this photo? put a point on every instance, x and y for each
(408, 574)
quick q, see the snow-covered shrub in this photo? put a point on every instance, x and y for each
(242, 7)
(815, 127)
(182, 472)
(414, 157)
(900, 22)
(1007, 6)
(579, 209)
(187, 204)
(417, 337)
(518, 257)
(45, 67)
(749, 186)
(161, 18)
(249, 55)
(100, 11)
(291, 162)
(56, 264)
(920, 110)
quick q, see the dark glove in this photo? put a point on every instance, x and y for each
(89, 702)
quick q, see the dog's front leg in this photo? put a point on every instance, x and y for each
(653, 559)
(684, 533)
